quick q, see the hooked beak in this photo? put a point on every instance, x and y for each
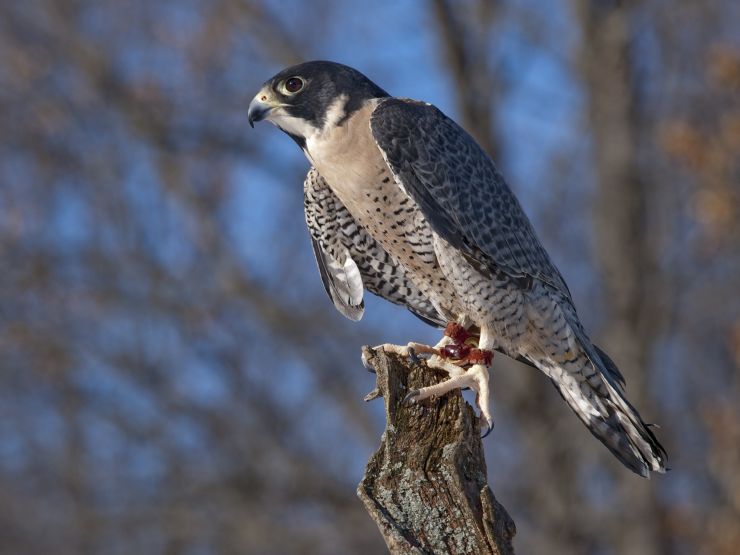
(259, 108)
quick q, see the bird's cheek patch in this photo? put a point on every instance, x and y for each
(291, 124)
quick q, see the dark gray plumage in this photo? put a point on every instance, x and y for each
(403, 201)
(439, 164)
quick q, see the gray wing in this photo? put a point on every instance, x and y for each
(349, 258)
(459, 190)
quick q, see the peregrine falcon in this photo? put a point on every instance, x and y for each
(401, 201)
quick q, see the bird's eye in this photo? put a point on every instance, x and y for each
(293, 85)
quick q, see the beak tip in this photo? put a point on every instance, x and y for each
(258, 110)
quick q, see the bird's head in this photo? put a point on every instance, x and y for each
(303, 99)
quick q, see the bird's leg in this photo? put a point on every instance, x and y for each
(451, 343)
(449, 354)
(409, 349)
(476, 378)
(439, 362)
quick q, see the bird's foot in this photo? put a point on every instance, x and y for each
(410, 350)
(461, 348)
(465, 355)
(456, 343)
(475, 378)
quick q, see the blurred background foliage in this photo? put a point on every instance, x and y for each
(172, 377)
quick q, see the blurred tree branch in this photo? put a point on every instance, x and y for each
(625, 235)
(426, 487)
(145, 304)
(463, 35)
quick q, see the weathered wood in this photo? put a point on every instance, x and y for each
(426, 487)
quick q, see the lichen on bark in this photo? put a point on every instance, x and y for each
(426, 486)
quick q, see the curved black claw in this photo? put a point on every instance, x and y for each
(413, 356)
(410, 397)
(488, 431)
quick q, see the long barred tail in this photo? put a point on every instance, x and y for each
(591, 384)
(603, 408)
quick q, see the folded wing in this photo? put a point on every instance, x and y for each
(350, 259)
(459, 190)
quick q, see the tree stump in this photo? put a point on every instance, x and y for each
(426, 487)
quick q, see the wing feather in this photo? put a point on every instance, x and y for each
(459, 190)
(349, 258)
(341, 280)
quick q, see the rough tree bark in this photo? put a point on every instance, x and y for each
(426, 487)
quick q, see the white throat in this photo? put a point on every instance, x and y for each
(302, 128)
(318, 141)
(291, 124)
(335, 113)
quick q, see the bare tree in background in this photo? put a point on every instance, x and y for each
(651, 268)
(126, 296)
(625, 241)
(143, 319)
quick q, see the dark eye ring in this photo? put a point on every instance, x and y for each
(294, 84)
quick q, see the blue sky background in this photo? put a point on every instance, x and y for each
(139, 214)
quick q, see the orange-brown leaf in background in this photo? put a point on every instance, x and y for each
(723, 66)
